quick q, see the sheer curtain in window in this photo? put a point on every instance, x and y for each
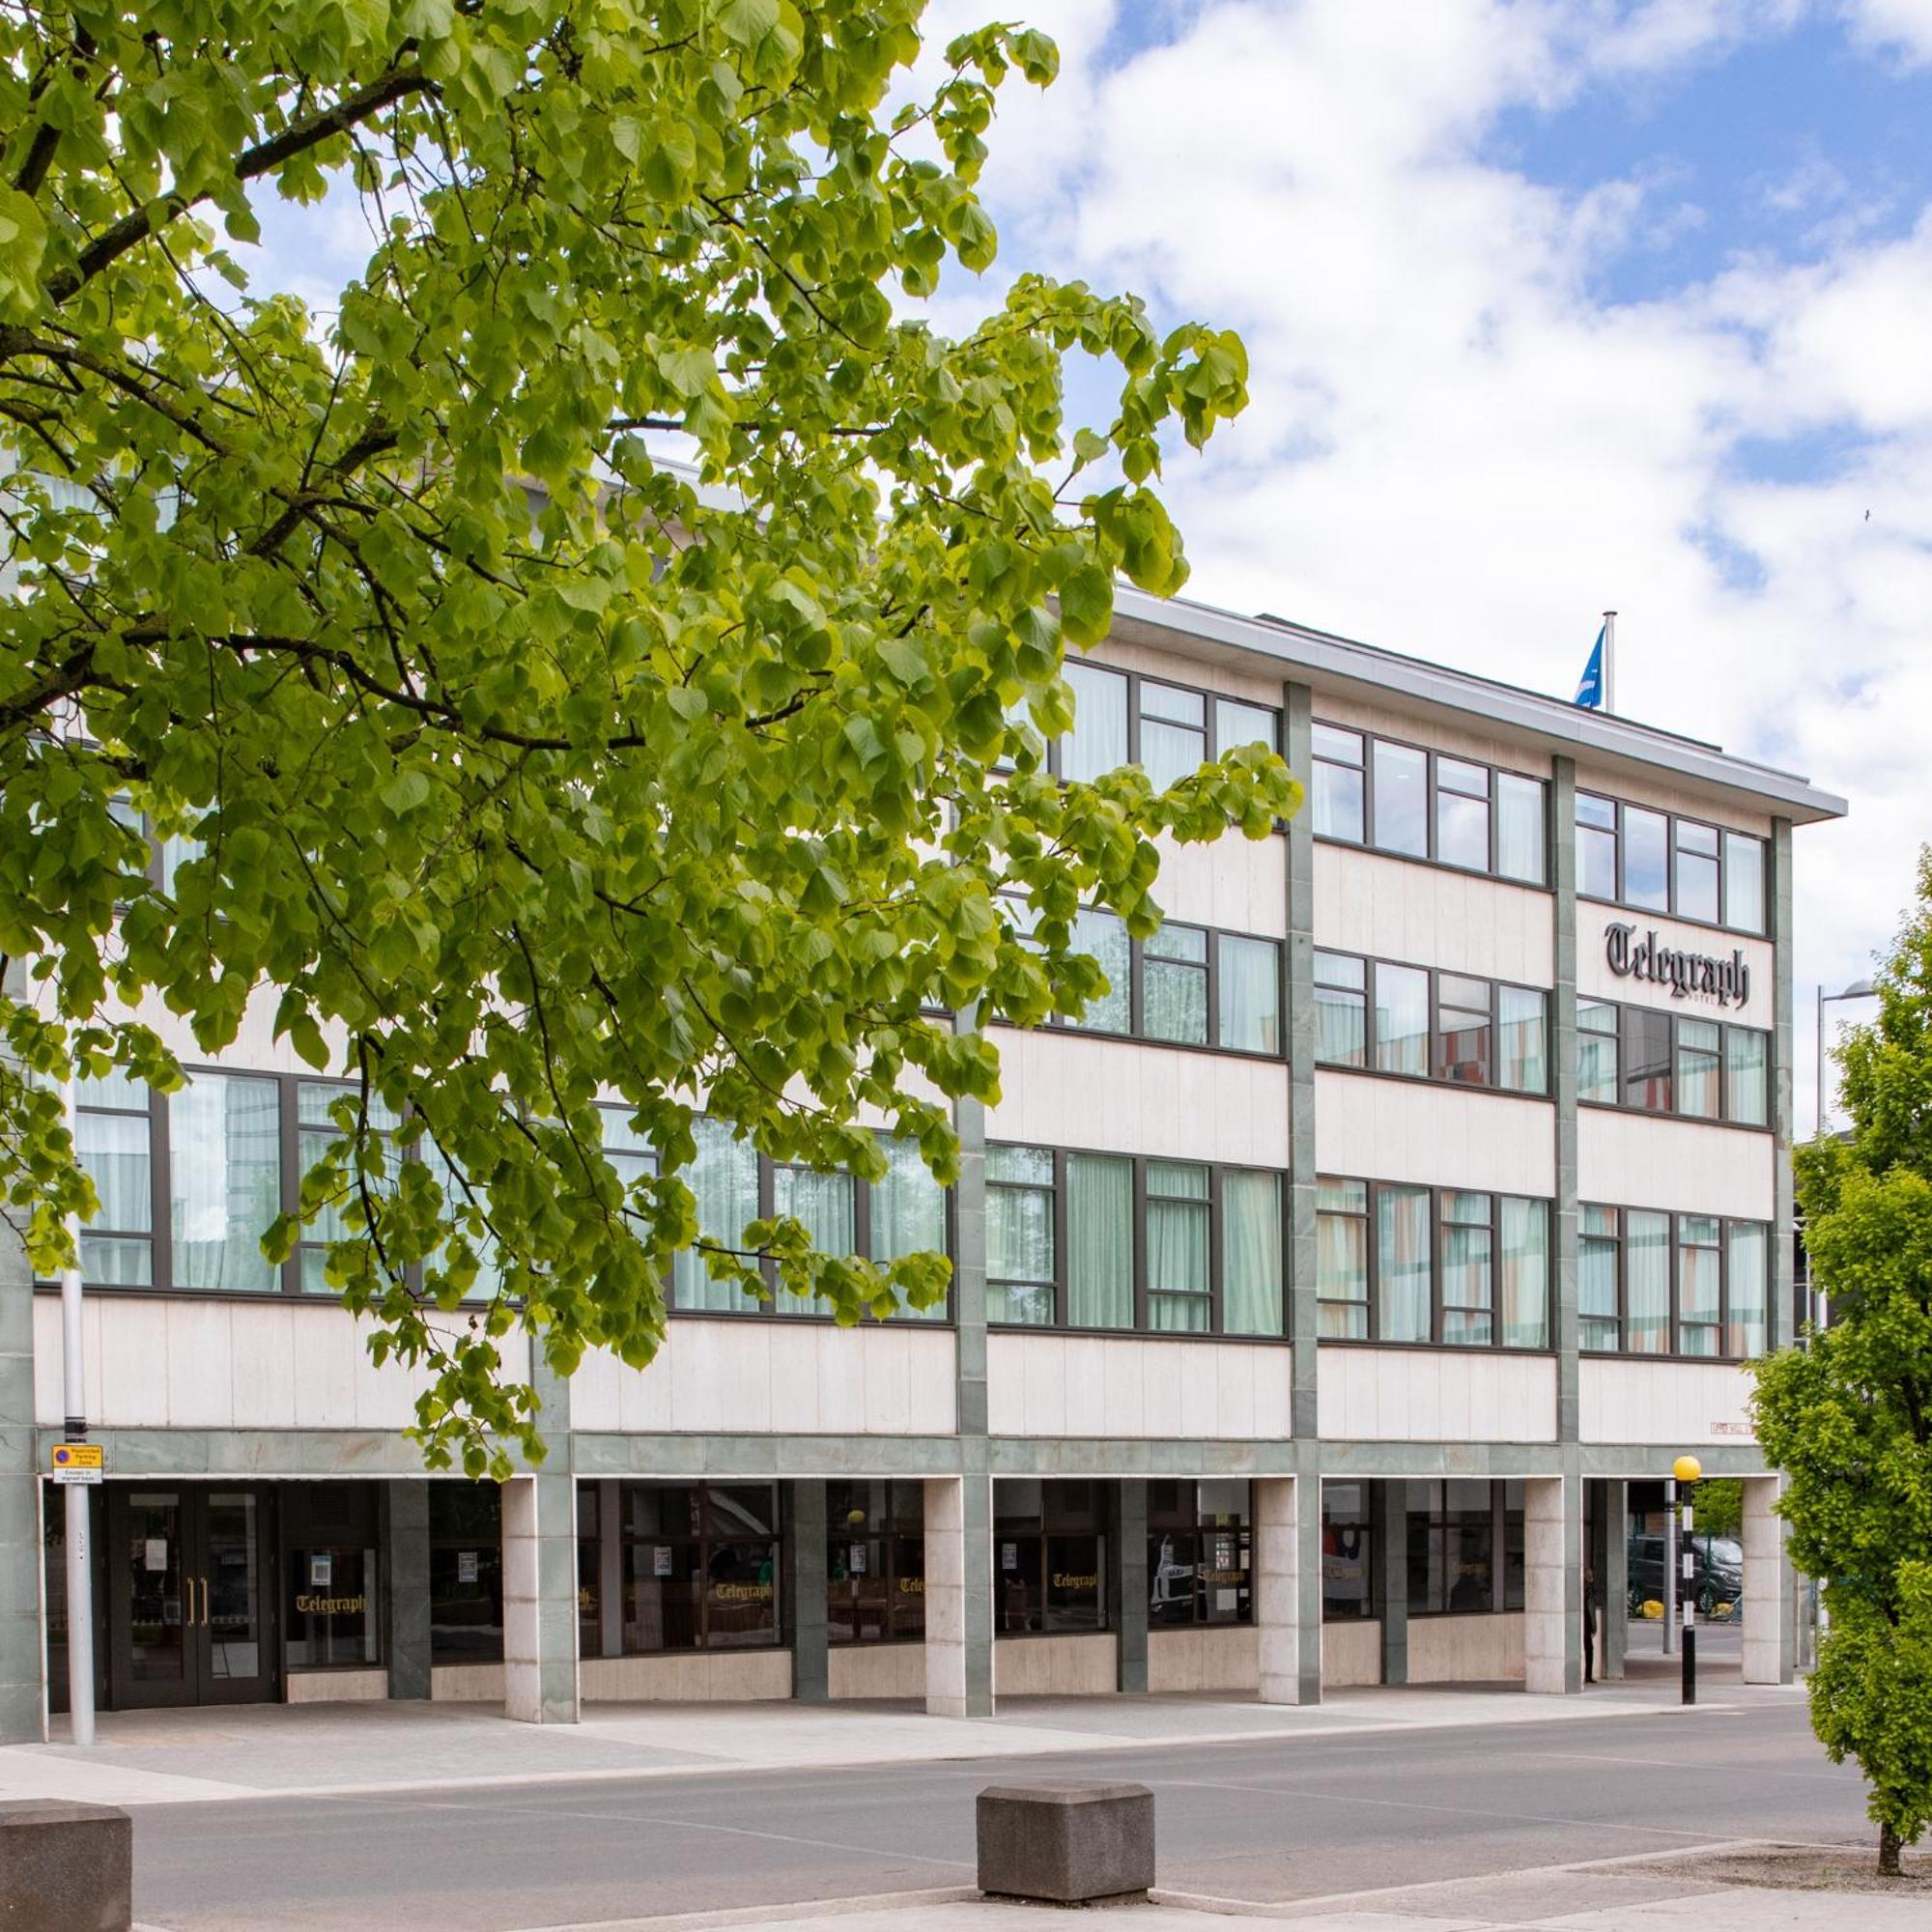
(1105, 937)
(1176, 1235)
(1749, 1247)
(114, 1153)
(1525, 1273)
(1523, 1066)
(1647, 1281)
(1401, 1263)
(1098, 740)
(723, 1179)
(1099, 1241)
(225, 1179)
(908, 1215)
(1519, 834)
(1251, 1253)
(1250, 994)
(824, 1203)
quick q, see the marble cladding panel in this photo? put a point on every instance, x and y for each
(1656, 1400)
(1433, 1134)
(1225, 1657)
(1055, 1667)
(1048, 1385)
(1429, 916)
(1435, 1395)
(756, 1375)
(1124, 1097)
(698, 1677)
(1465, 1650)
(1641, 1160)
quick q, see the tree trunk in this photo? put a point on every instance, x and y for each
(1887, 1853)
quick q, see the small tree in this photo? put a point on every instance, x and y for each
(1849, 1416)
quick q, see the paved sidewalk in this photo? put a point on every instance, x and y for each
(162, 1757)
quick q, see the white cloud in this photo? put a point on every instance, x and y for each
(1457, 448)
(1902, 28)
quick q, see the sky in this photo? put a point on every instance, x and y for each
(1550, 308)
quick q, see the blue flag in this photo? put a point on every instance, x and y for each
(1590, 692)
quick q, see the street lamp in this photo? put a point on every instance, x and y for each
(1687, 1469)
(1859, 989)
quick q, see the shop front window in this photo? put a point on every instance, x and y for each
(1348, 1568)
(875, 1561)
(700, 1566)
(466, 1573)
(332, 1602)
(1200, 1553)
(1050, 1551)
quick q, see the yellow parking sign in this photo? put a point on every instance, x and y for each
(79, 1462)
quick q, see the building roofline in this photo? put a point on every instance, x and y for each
(1560, 727)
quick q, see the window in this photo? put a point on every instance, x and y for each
(1339, 792)
(1200, 1553)
(1664, 1063)
(112, 1142)
(1020, 1245)
(700, 1566)
(1453, 1532)
(1519, 828)
(1630, 856)
(1684, 1284)
(1105, 937)
(723, 1181)
(1430, 1025)
(1347, 1552)
(1448, 1266)
(1462, 814)
(1597, 1052)
(332, 1604)
(826, 1205)
(906, 1215)
(1236, 724)
(1401, 798)
(1249, 988)
(466, 1573)
(1174, 987)
(1098, 742)
(1341, 1009)
(1342, 1259)
(1049, 1557)
(875, 1561)
(316, 1131)
(225, 1179)
(1174, 732)
(1113, 1242)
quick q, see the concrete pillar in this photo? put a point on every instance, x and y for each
(1783, 1107)
(1565, 1329)
(1299, 856)
(1288, 1589)
(1613, 1576)
(610, 1567)
(1766, 1640)
(805, 1550)
(1391, 1573)
(958, 1597)
(540, 1598)
(406, 1550)
(1552, 1635)
(1128, 1580)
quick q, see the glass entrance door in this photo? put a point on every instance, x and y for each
(189, 1595)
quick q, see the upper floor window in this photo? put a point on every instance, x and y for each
(1119, 1241)
(1664, 1063)
(1121, 718)
(1427, 805)
(1650, 1283)
(1633, 856)
(1430, 1025)
(1459, 1267)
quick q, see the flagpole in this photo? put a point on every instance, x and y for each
(1609, 659)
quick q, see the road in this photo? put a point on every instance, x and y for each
(1264, 1822)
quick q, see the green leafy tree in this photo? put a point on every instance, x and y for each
(520, 765)
(1849, 1415)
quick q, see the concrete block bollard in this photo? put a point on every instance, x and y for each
(1067, 1845)
(66, 1868)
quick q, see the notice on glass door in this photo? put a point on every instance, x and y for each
(155, 1553)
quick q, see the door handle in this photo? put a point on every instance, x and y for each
(203, 1603)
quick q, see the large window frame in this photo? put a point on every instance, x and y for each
(1632, 1064)
(1441, 1515)
(1359, 1210)
(1038, 1589)
(1689, 846)
(1445, 795)
(1605, 1234)
(875, 1535)
(1056, 1291)
(1200, 1557)
(1223, 725)
(1338, 985)
(700, 1542)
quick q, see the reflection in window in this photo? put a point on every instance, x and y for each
(1401, 798)
(1401, 1019)
(875, 1561)
(1338, 791)
(1348, 1568)
(1341, 1009)
(1646, 859)
(1463, 813)
(1174, 985)
(1200, 1553)
(1049, 1557)
(1597, 1052)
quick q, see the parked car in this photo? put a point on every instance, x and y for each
(1718, 1579)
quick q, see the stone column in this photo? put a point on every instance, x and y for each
(1613, 1576)
(805, 1548)
(1128, 1580)
(405, 1548)
(1391, 1573)
(540, 1575)
(1767, 1643)
(958, 1597)
(1565, 1330)
(1552, 1635)
(1299, 855)
(1783, 1108)
(1287, 1577)
(22, 1693)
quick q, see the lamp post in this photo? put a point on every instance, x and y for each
(1859, 989)
(1687, 1469)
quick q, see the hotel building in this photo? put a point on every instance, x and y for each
(1420, 1187)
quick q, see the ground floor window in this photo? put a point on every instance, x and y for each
(1050, 1558)
(700, 1565)
(466, 1573)
(1200, 1553)
(1465, 1547)
(331, 1602)
(1348, 1568)
(874, 1561)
